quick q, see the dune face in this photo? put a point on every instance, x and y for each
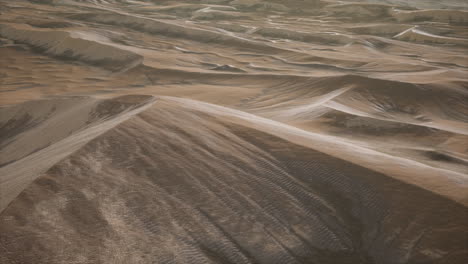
(174, 183)
(246, 131)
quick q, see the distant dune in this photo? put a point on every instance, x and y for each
(245, 131)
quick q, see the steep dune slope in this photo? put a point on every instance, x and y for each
(37, 134)
(186, 185)
(233, 131)
(75, 45)
(440, 105)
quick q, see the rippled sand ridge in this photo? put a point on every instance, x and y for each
(234, 131)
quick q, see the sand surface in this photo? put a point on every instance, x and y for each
(245, 131)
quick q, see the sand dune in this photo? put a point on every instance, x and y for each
(76, 45)
(438, 104)
(233, 131)
(38, 134)
(154, 26)
(416, 35)
(446, 16)
(361, 11)
(204, 186)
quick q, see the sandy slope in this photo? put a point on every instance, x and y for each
(38, 134)
(245, 131)
(194, 185)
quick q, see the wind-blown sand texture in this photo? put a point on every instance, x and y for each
(245, 131)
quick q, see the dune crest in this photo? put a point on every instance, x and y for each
(73, 45)
(233, 174)
(44, 132)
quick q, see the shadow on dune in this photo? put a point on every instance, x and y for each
(182, 185)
